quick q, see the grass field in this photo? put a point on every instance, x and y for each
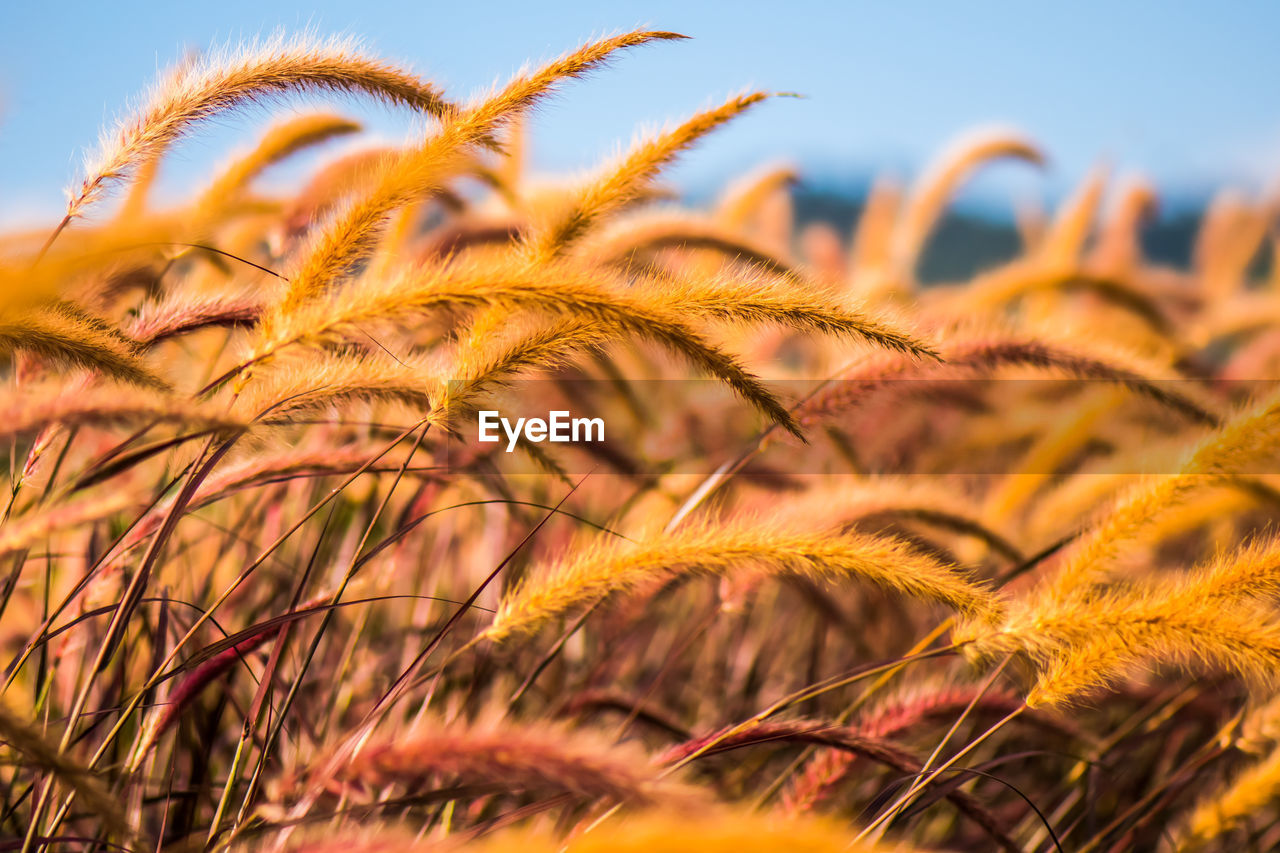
(862, 564)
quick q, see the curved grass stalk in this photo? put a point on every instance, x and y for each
(621, 184)
(1252, 436)
(930, 194)
(556, 290)
(608, 569)
(280, 141)
(741, 200)
(625, 245)
(351, 236)
(197, 91)
(1063, 245)
(67, 337)
(537, 759)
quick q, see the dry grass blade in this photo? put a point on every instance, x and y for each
(608, 568)
(183, 313)
(763, 299)
(741, 201)
(351, 236)
(1210, 639)
(625, 181)
(532, 759)
(295, 387)
(1251, 437)
(1088, 641)
(196, 91)
(279, 142)
(1063, 244)
(66, 337)
(929, 196)
(557, 290)
(629, 243)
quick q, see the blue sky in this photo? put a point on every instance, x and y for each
(1188, 93)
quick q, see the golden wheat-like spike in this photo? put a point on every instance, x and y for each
(418, 291)
(1251, 437)
(505, 758)
(1212, 615)
(742, 199)
(608, 568)
(761, 298)
(1252, 571)
(1063, 245)
(527, 88)
(182, 313)
(964, 356)
(1075, 675)
(352, 235)
(486, 360)
(65, 336)
(620, 185)
(929, 196)
(892, 499)
(1088, 642)
(208, 87)
(317, 382)
(1248, 795)
(631, 239)
(872, 249)
(559, 290)
(1230, 234)
(279, 142)
(1118, 251)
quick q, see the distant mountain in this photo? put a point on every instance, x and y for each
(966, 243)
